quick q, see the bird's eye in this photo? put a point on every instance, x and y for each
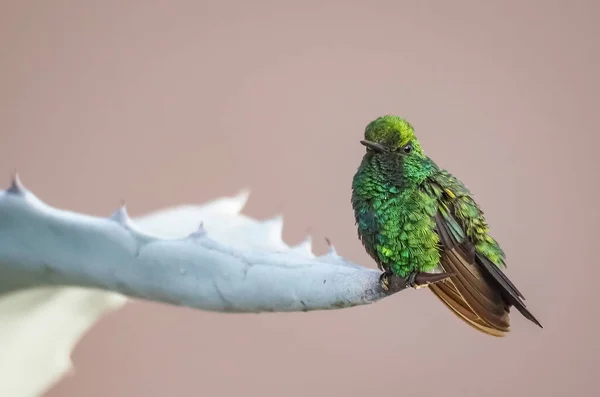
(407, 149)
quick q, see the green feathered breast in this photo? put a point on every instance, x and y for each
(395, 218)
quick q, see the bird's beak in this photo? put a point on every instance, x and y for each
(376, 147)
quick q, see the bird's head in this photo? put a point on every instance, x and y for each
(392, 135)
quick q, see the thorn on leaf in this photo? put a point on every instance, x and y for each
(16, 187)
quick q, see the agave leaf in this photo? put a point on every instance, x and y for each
(61, 270)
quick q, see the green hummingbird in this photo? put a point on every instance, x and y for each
(414, 218)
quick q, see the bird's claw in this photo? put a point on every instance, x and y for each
(384, 280)
(410, 280)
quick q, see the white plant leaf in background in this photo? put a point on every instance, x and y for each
(60, 271)
(39, 328)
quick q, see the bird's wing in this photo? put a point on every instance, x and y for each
(479, 293)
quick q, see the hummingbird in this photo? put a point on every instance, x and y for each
(415, 218)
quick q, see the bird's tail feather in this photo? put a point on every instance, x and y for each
(471, 296)
(458, 306)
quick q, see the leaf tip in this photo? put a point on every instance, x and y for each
(331, 250)
(16, 186)
(121, 216)
(198, 233)
(274, 225)
(241, 199)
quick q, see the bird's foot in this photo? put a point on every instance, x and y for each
(411, 280)
(384, 280)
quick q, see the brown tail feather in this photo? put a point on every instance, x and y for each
(464, 312)
(471, 297)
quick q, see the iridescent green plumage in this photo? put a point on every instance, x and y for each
(414, 217)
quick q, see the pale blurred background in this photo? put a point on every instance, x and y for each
(172, 102)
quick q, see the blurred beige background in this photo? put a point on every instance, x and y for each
(165, 103)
